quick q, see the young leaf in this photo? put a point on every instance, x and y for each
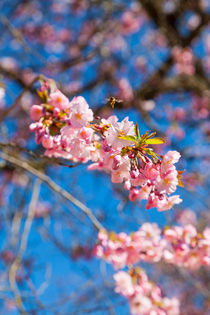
(124, 151)
(128, 138)
(137, 133)
(155, 141)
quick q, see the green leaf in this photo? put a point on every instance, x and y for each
(124, 151)
(137, 133)
(155, 141)
(128, 138)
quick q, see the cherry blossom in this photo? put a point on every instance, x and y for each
(68, 130)
(144, 296)
(181, 246)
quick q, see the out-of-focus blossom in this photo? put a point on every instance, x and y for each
(200, 106)
(8, 63)
(42, 210)
(130, 22)
(2, 96)
(148, 105)
(125, 90)
(144, 296)
(184, 60)
(187, 216)
(181, 246)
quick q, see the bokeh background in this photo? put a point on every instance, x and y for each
(155, 57)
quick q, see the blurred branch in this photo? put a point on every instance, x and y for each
(173, 84)
(26, 88)
(23, 244)
(55, 187)
(45, 160)
(19, 37)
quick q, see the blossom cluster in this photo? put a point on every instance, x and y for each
(144, 296)
(181, 246)
(68, 129)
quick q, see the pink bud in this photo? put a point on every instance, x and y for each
(33, 127)
(131, 155)
(134, 173)
(133, 195)
(127, 185)
(116, 162)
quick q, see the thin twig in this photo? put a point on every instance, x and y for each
(24, 165)
(23, 244)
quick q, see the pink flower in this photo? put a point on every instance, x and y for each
(58, 100)
(127, 185)
(133, 195)
(117, 161)
(145, 192)
(86, 134)
(122, 172)
(119, 129)
(81, 114)
(67, 131)
(145, 297)
(124, 284)
(171, 157)
(171, 306)
(176, 245)
(168, 202)
(140, 305)
(168, 182)
(150, 171)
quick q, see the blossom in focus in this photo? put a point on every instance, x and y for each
(67, 130)
(81, 114)
(58, 100)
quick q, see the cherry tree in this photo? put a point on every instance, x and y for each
(104, 109)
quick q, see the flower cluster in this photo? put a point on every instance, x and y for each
(68, 130)
(145, 297)
(62, 126)
(181, 246)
